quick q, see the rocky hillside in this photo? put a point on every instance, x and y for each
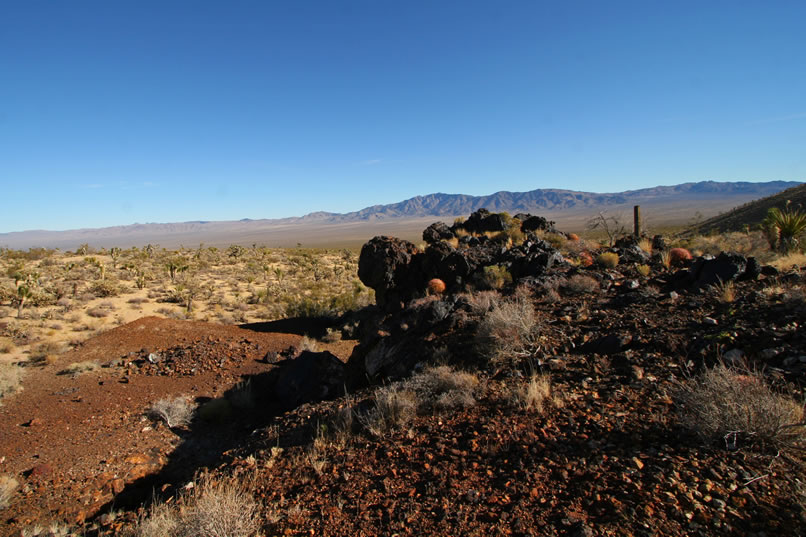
(500, 386)
(751, 214)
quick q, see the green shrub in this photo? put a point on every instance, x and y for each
(496, 277)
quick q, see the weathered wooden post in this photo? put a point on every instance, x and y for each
(637, 221)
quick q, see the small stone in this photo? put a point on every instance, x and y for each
(770, 353)
(734, 356)
(673, 295)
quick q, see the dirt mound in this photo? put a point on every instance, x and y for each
(80, 439)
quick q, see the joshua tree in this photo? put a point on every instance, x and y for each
(99, 265)
(115, 253)
(24, 292)
(176, 265)
(139, 275)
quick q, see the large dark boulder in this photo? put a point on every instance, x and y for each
(483, 221)
(443, 261)
(311, 376)
(436, 232)
(725, 267)
(389, 266)
(537, 223)
(535, 263)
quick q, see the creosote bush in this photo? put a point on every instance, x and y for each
(726, 405)
(176, 412)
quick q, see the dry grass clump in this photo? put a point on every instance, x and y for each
(608, 259)
(7, 487)
(176, 412)
(394, 407)
(580, 284)
(508, 328)
(725, 291)
(210, 509)
(443, 388)
(789, 261)
(536, 394)
(724, 404)
(78, 368)
(10, 378)
(436, 389)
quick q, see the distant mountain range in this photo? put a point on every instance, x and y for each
(543, 200)
(667, 204)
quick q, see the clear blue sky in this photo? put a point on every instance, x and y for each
(115, 112)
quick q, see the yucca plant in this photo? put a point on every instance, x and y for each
(784, 227)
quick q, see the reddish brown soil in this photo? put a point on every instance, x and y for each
(79, 440)
(612, 460)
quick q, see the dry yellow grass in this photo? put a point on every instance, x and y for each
(73, 298)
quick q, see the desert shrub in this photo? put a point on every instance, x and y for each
(7, 487)
(555, 239)
(579, 284)
(105, 288)
(176, 412)
(7, 347)
(496, 277)
(10, 378)
(210, 509)
(507, 329)
(608, 259)
(724, 404)
(98, 312)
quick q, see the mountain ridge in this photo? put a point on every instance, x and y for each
(328, 228)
